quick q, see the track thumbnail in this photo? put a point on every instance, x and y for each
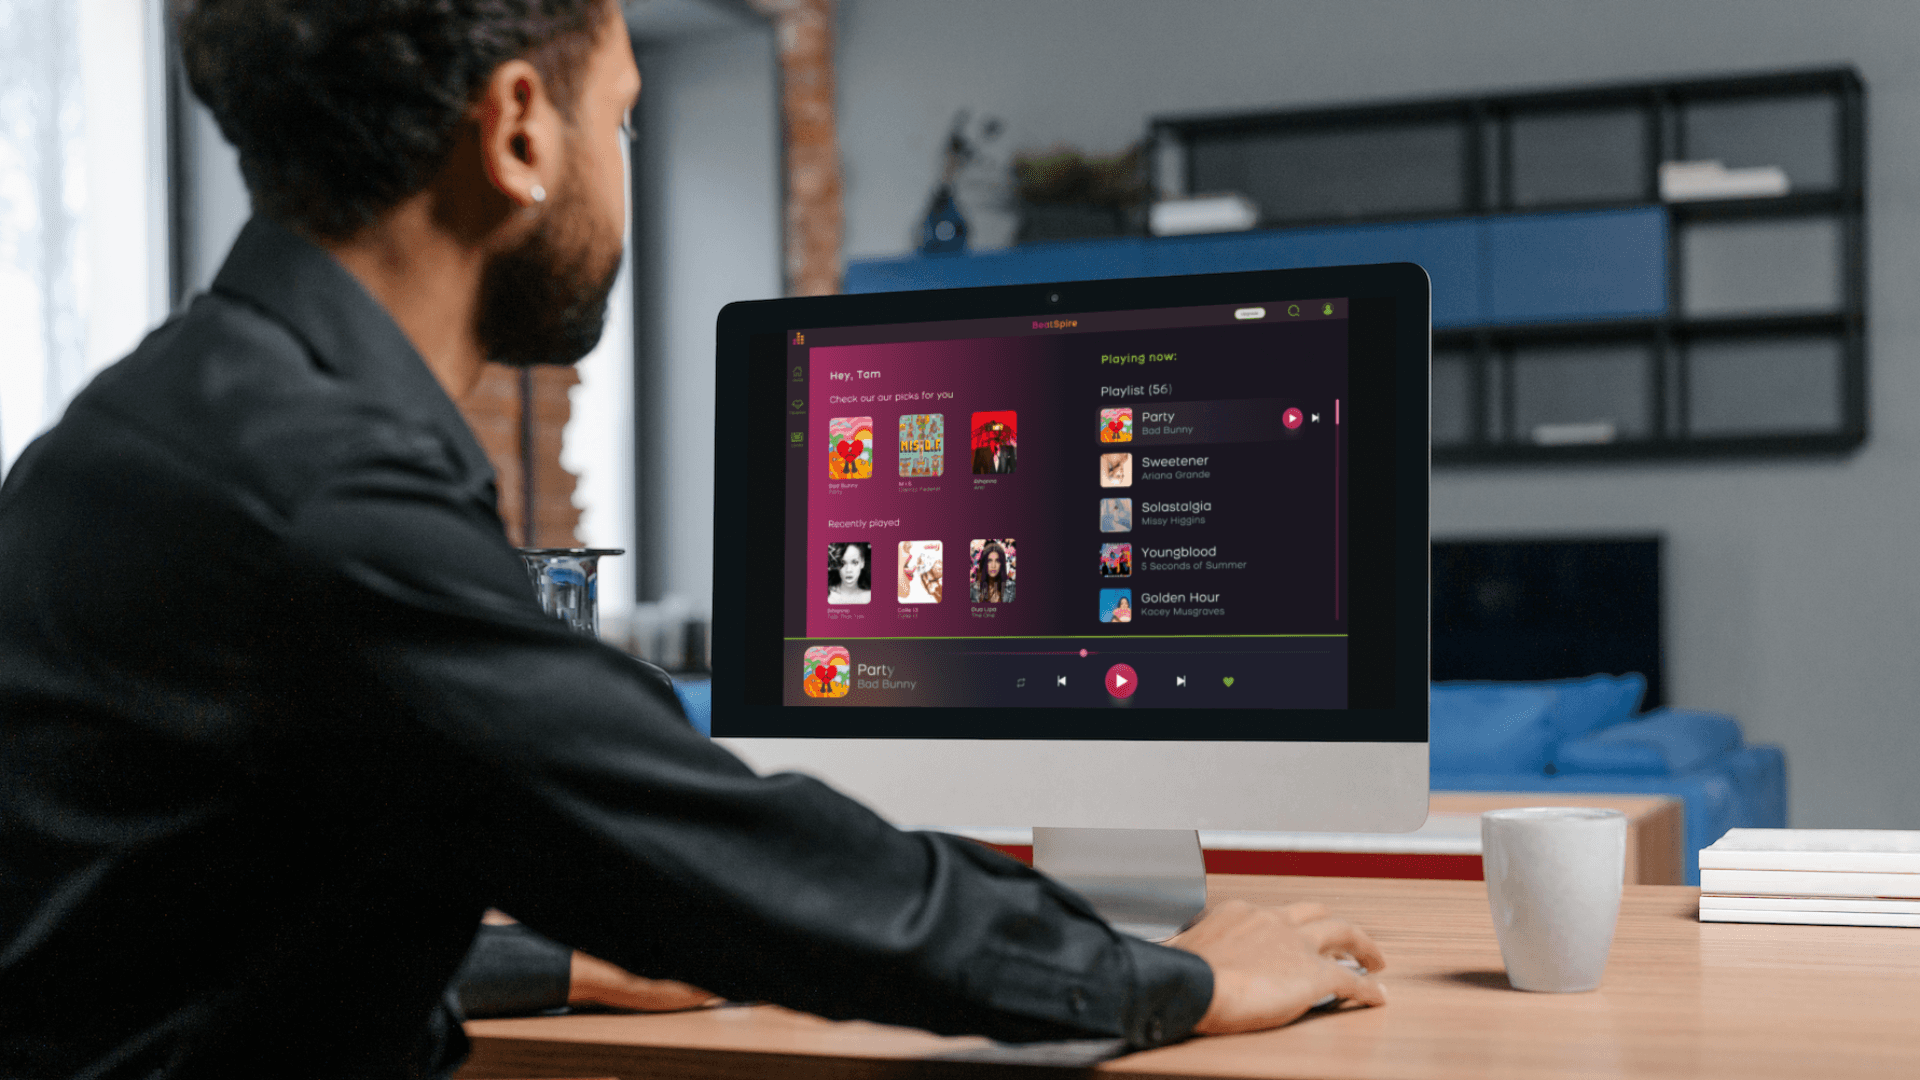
(992, 567)
(825, 671)
(923, 439)
(921, 577)
(850, 573)
(996, 442)
(850, 447)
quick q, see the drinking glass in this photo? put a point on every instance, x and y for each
(566, 583)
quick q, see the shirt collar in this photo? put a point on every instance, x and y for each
(350, 333)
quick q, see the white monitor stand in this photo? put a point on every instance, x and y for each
(1150, 883)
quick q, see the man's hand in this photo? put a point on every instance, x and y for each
(594, 980)
(1271, 964)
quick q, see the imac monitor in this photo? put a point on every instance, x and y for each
(1143, 554)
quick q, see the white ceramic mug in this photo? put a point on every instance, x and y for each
(1553, 881)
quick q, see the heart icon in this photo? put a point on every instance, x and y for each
(1114, 426)
(858, 445)
(845, 450)
(1228, 680)
(823, 673)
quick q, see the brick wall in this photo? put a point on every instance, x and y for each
(814, 215)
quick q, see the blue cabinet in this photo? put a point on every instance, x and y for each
(1486, 271)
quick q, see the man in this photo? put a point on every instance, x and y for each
(279, 718)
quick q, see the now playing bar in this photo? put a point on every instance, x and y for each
(1253, 672)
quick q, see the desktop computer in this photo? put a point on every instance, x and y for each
(1117, 560)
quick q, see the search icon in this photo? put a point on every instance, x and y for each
(1293, 309)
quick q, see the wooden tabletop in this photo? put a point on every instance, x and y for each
(1680, 999)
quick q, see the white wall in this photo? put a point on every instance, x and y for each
(115, 55)
(710, 225)
(1792, 604)
(76, 83)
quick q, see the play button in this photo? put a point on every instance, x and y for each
(1121, 680)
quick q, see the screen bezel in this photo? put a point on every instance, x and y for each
(751, 336)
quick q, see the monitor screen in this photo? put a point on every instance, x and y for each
(1136, 522)
(1070, 513)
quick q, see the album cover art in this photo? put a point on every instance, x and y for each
(923, 439)
(1116, 515)
(1116, 605)
(995, 437)
(850, 447)
(992, 568)
(1116, 425)
(825, 671)
(850, 573)
(1116, 560)
(920, 572)
(1116, 470)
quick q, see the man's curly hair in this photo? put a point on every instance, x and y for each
(342, 108)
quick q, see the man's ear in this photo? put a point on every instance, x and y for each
(520, 134)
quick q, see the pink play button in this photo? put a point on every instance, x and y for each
(1121, 680)
(1291, 418)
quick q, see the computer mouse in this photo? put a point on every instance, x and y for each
(1350, 964)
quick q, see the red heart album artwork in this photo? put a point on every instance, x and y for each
(825, 671)
(850, 447)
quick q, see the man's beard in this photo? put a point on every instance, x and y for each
(545, 302)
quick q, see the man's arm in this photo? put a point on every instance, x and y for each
(589, 809)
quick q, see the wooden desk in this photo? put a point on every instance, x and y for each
(1680, 999)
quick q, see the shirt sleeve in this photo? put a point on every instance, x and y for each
(583, 803)
(512, 971)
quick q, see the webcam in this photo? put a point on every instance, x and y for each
(1053, 298)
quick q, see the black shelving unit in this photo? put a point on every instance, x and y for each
(1762, 347)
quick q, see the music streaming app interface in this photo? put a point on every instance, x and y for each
(1074, 511)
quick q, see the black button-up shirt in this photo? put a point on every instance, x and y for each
(279, 719)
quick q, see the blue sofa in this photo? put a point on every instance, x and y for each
(1588, 735)
(696, 696)
(1583, 735)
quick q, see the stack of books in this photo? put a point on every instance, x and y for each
(1823, 877)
